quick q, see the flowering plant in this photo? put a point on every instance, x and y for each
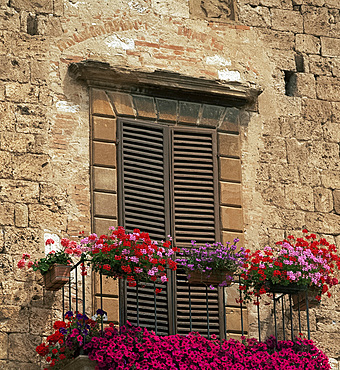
(305, 262)
(69, 337)
(62, 257)
(209, 258)
(135, 348)
(130, 255)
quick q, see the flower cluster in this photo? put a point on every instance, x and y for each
(131, 255)
(69, 337)
(62, 257)
(136, 348)
(305, 262)
(215, 257)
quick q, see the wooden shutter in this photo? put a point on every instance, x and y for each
(149, 172)
(144, 205)
(194, 214)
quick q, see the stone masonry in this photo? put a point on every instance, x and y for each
(288, 142)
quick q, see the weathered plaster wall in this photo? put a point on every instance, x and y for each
(290, 146)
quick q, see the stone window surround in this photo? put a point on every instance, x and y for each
(161, 97)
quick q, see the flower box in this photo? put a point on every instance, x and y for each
(312, 301)
(81, 362)
(56, 277)
(213, 278)
(286, 289)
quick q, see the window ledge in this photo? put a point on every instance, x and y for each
(164, 84)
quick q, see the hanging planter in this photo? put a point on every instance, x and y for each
(56, 277)
(213, 278)
(300, 299)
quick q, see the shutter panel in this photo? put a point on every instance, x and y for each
(194, 218)
(193, 187)
(144, 207)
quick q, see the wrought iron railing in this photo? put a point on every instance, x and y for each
(285, 319)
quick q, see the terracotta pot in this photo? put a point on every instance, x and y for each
(312, 301)
(214, 278)
(56, 277)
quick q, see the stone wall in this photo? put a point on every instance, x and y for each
(290, 143)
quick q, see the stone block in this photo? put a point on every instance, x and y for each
(229, 145)
(100, 103)
(54, 196)
(303, 85)
(27, 344)
(278, 39)
(101, 225)
(309, 175)
(316, 110)
(188, 112)
(21, 215)
(104, 128)
(15, 69)
(230, 194)
(32, 167)
(38, 326)
(14, 319)
(122, 103)
(39, 6)
(324, 223)
(316, 22)
(274, 150)
(331, 179)
(17, 142)
(327, 88)
(230, 236)
(308, 130)
(330, 47)
(171, 8)
(232, 295)
(16, 238)
(110, 286)
(233, 318)
(287, 20)
(299, 197)
(231, 122)
(284, 219)
(323, 199)
(104, 154)
(41, 216)
(111, 306)
(211, 115)
(6, 213)
(104, 179)
(145, 106)
(105, 205)
(230, 169)
(20, 93)
(167, 109)
(3, 346)
(320, 66)
(331, 132)
(324, 155)
(297, 152)
(336, 197)
(307, 44)
(232, 219)
(272, 194)
(257, 16)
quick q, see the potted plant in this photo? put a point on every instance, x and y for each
(133, 256)
(211, 264)
(68, 340)
(55, 267)
(293, 266)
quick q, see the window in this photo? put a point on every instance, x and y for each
(168, 185)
